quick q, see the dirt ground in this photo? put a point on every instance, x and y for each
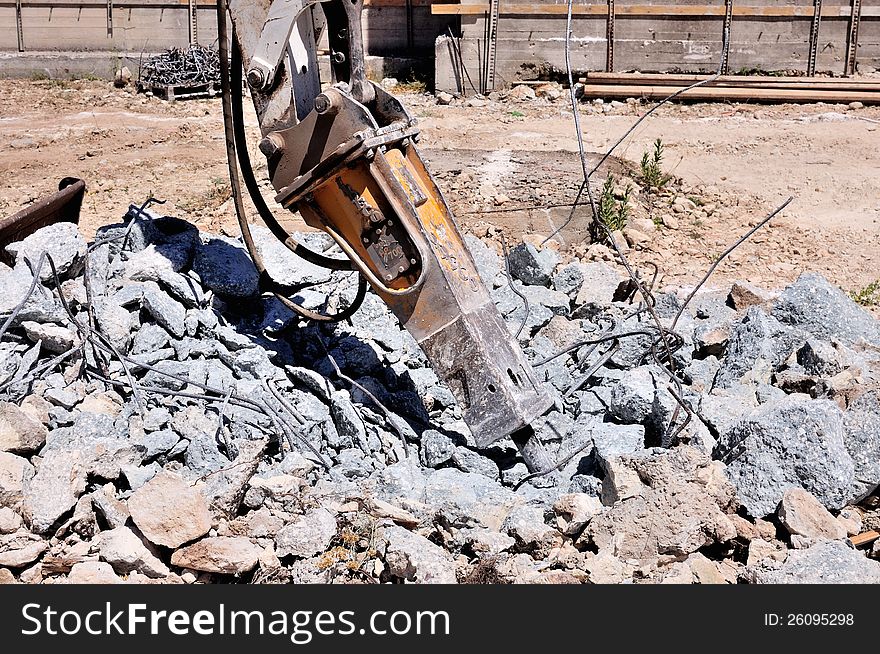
(496, 162)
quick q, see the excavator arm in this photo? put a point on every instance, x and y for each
(345, 158)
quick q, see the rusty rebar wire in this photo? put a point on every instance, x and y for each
(385, 411)
(517, 292)
(742, 239)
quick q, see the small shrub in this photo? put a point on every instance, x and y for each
(613, 212)
(652, 170)
(869, 296)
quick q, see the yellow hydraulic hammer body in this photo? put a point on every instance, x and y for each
(350, 167)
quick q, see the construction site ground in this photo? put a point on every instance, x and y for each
(495, 162)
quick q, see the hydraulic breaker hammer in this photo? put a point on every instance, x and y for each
(345, 158)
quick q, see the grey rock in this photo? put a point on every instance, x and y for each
(525, 524)
(158, 442)
(137, 476)
(103, 446)
(10, 521)
(435, 448)
(62, 397)
(53, 337)
(414, 558)
(54, 490)
(794, 442)
(148, 338)
(602, 285)
(819, 358)
(125, 552)
(633, 396)
(155, 419)
(812, 300)
(308, 535)
(469, 461)
(232, 339)
(129, 295)
(19, 432)
(758, 345)
(61, 241)
(349, 424)
(113, 320)
(569, 279)
(225, 267)
(283, 265)
(532, 266)
(862, 440)
(40, 305)
(203, 455)
(487, 260)
(16, 474)
(611, 440)
(105, 503)
(700, 373)
(167, 312)
(827, 562)
(722, 411)
(168, 374)
(459, 496)
(252, 363)
(168, 511)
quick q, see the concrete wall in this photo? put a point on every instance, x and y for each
(62, 40)
(528, 45)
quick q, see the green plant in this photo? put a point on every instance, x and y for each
(613, 210)
(869, 296)
(652, 170)
(515, 113)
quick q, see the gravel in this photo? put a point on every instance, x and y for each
(178, 488)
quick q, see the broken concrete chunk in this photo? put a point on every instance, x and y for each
(574, 511)
(757, 346)
(308, 535)
(827, 562)
(168, 511)
(862, 440)
(811, 301)
(15, 476)
(230, 555)
(679, 510)
(53, 337)
(18, 432)
(125, 552)
(435, 448)
(793, 442)
(54, 490)
(802, 515)
(744, 295)
(225, 267)
(532, 266)
(61, 241)
(92, 572)
(414, 558)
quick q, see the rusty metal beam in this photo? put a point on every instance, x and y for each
(62, 206)
(853, 38)
(814, 37)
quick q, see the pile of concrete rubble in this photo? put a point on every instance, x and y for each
(245, 454)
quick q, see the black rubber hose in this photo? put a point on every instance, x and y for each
(235, 187)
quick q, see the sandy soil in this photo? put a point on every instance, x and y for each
(494, 162)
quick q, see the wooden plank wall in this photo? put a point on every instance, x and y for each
(528, 44)
(153, 25)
